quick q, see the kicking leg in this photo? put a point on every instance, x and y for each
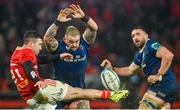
(78, 93)
(92, 94)
(61, 91)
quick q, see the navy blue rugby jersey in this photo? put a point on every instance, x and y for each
(147, 60)
(72, 71)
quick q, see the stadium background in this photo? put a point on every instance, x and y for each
(161, 18)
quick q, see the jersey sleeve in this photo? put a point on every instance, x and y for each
(28, 55)
(153, 47)
(137, 59)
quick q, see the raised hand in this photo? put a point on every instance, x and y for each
(63, 15)
(106, 63)
(76, 11)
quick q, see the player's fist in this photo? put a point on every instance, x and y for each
(76, 11)
(106, 63)
(67, 56)
(152, 79)
(63, 15)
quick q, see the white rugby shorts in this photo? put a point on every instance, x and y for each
(56, 91)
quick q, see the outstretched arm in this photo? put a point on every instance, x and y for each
(126, 71)
(44, 59)
(49, 37)
(90, 33)
(123, 71)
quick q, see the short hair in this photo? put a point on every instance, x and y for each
(31, 36)
(139, 27)
(72, 30)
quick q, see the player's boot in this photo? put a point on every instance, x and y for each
(119, 95)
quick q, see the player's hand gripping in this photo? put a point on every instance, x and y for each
(152, 79)
(50, 82)
(76, 11)
(106, 63)
(67, 56)
(63, 15)
(41, 84)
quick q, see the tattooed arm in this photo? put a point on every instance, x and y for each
(49, 37)
(90, 33)
(49, 40)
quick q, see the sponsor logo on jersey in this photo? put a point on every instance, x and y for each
(161, 94)
(78, 56)
(76, 59)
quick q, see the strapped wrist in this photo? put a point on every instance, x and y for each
(159, 77)
(85, 18)
(57, 23)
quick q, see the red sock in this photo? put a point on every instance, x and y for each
(105, 94)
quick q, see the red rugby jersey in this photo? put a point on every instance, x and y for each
(24, 85)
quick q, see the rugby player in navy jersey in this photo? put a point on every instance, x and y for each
(71, 71)
(155, 61)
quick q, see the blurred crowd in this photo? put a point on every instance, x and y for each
(115, 18)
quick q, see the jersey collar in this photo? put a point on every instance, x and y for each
(144, 46)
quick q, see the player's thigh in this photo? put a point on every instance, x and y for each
(55, 92)
(151, 95)
(142, 105)
(73, 93)
(147, 104)
(150, 101)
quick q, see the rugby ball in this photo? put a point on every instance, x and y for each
(110, 79)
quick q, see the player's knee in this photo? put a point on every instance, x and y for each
(142, 105)
(146, 103)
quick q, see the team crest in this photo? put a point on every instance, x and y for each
(155, 46)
